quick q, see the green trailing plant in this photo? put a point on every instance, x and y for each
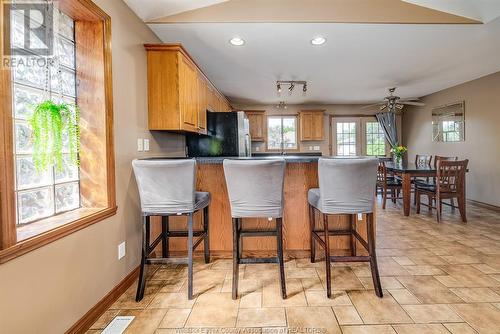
(48, 123)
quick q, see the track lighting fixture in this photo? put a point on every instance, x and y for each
(291, 85)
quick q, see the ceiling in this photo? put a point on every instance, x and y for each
(356, 65)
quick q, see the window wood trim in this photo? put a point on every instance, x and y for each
(93, 21)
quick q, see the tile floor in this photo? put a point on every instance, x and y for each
(437, 278)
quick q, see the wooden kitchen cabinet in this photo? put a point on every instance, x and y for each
(257, 121)
(311, 124)
(179, 94)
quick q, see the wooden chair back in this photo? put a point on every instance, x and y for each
(450, 175)
(438, 158)
(423, 160)
(381, 173)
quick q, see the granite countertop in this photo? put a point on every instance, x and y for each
(218, 160)
(288, 158)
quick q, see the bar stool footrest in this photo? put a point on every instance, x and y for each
(255, 260)
(258, 233)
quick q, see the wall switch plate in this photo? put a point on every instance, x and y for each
(121, 250)
(140, 145)
(360, 216)
(316, 148)
(257, 148)
(146, 145)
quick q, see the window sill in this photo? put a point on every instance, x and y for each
(52, 229)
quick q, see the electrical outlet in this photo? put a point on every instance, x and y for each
(121, 250)
(360, 216)
(140, 145)
(310, 148)
(146, 145)
(257, 148)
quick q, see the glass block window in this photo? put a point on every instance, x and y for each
(52, 192)
(375, 139)
(346, 138)
(282, 133)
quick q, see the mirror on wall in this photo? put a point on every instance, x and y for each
(448, 122)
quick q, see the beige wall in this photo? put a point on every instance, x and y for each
(336, 110)
(482, 134)
(49, 289)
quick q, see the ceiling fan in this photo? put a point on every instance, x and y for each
(393, 103)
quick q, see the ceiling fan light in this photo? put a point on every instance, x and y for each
(318, 41)
(237, 41)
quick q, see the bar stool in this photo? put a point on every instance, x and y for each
(346, 187)
(167, 188)
(255, 189)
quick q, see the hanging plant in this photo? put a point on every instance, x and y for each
(48, 123)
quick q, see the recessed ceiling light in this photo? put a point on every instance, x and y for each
(236, 41)
(318, 40)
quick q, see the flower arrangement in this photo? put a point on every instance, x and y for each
(48, 122)
(398, 152)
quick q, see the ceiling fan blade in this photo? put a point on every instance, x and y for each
(373, 105)
(412, 103)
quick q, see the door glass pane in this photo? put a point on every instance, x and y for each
(375, 139)
(346, 139)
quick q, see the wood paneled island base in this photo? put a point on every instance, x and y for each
(299, 178)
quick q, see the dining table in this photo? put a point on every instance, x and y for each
(407, 171)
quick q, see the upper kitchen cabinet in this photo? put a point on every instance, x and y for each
(257, 120)
(311, 124)
(179, 94)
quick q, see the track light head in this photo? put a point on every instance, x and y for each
(278, 86)
(292, 86)
(304, 88)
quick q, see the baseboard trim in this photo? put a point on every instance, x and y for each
(82, 325)
(484, 205)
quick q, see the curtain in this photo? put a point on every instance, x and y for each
(387, 121)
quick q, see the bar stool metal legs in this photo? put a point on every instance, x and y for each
(238, 234)
(145, 248)
(324, 242)
(148, 247)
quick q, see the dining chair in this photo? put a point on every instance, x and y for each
(167, 188)
(421, 160)
(255, 189)
(391, 186)
(432, 181)
(449, 184)
(346, 187)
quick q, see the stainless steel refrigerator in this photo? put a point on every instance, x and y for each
(228, 135)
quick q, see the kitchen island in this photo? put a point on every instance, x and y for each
(301, 174)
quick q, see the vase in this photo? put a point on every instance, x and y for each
(398, 160)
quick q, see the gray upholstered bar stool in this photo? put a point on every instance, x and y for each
(167, 188)
(346, 186)
(255, 189)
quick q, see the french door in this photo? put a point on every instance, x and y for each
(357, 136)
